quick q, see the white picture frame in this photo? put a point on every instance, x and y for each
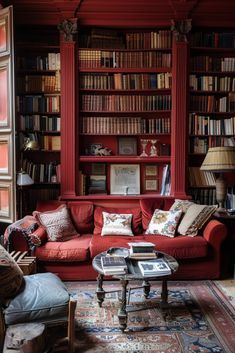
(124, 179)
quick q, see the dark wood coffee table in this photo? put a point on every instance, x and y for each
(133, 274)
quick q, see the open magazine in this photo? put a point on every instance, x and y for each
(157, 267)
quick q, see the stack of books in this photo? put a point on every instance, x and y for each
(142, 250)
(113, 265)
(157, 267)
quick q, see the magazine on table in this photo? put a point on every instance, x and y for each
(157, 267)
(114, 264)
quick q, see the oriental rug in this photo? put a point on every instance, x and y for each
(202, 319)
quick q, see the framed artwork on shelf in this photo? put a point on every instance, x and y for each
(151, 170)
(151, 185)
(124, 179)
(127, 146)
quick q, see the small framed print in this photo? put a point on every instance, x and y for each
(98, 168)
(151, 185)
(151, 170)
(125, 179)
(127, 146)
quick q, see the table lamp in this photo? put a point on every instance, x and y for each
(23, 179)
(220, 160)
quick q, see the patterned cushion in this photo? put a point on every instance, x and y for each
(114, 223)
(57, 223)
(11, 276)
(182, 205)
(194, 219)
(164, 223)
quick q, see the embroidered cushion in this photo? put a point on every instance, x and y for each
(114, 223)
(164, 222)
(182, 205)
(11, 276)
(194, 219)
(57, 223)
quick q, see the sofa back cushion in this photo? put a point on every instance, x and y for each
(82, 215)
(135, 211)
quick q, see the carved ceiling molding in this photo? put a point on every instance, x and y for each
(181, 29)
(68, 28)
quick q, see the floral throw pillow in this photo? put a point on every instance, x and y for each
(164, 223)
(57, 224)
(116, 224)
(182, 205)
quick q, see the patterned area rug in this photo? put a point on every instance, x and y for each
(201, 320)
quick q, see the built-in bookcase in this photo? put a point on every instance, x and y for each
(212, 102)
(38, 85)
(125, 106)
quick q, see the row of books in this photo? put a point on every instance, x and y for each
(122, 103)
(37, 122)
(203, 196)
(201, 144)
(207, 125)
(123, 59)
(198, 177)
(42, 172)
(38, 83)
(51, 61)
(212, 63)
(29, 104)
(103, 38)
(212, 83)
(126, 81)
(213, 39)
(213, 104)
(125, 125)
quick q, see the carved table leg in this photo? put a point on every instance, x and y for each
(146, 286)
(99, 290)
(164, 306)
(122, 313)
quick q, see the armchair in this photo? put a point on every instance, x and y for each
(41, 298)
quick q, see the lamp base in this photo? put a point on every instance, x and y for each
(221, 190)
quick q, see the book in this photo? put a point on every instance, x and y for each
(113, 265)
(158, 267)
(142, 250)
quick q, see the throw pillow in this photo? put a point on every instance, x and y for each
(164, 223)
(57, 223)
(114, 223)
(182, 205)
(11, 276)
(194, 219)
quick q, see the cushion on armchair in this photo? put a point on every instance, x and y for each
(43, 297)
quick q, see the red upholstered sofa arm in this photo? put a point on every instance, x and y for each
(215, 232)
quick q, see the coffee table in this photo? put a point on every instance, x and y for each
(133, 274)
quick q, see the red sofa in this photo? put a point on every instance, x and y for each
(199, 257)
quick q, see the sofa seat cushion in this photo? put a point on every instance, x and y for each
(180, 247)
(76, 249)
(36, 302)
(100, 243)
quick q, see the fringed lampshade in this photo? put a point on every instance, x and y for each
(220, 160)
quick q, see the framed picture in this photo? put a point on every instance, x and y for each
(98, 168)
(151, 185)
(124, 179)
(151, 170)
(127, 146)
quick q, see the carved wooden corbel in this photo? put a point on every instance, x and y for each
(181, 29)
(68, 28)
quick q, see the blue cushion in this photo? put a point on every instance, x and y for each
(43, 298)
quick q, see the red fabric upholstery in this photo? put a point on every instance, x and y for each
(215, 232)
(72, 250)
(39, 236)
(43, 206)
(82, 216)
(136, 219)
(147, 208)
